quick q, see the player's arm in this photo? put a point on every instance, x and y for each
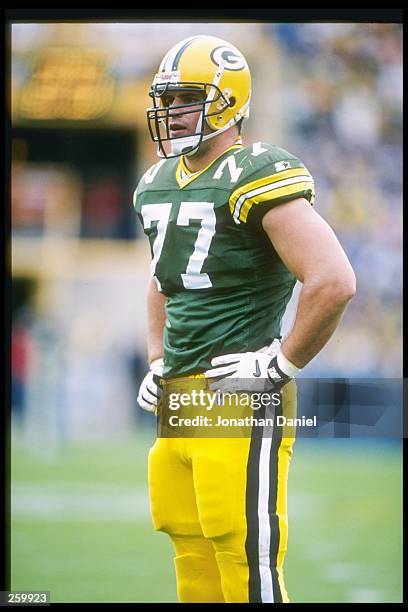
(156, 318)
(150, 390)
(309, 248)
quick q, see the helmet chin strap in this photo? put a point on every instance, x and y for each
(184, 146)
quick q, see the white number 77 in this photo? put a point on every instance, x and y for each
(193, 278)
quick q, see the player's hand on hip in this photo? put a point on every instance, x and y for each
(252, 371)
(150, 391)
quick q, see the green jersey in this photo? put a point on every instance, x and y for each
(226, 287)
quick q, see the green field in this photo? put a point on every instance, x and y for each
(80, 525)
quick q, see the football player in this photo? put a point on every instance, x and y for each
(231, 228)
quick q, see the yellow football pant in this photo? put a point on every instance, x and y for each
(223, 502)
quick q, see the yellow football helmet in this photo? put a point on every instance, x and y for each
(199, 63)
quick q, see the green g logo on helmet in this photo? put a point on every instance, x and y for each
(230, 58)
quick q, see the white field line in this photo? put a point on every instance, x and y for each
(368, 595)
(78, 502)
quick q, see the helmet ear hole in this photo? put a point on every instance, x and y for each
(232, 101)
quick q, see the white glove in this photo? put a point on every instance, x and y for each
(150, 391)
(242, 371)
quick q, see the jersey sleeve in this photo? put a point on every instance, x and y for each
(279, 180)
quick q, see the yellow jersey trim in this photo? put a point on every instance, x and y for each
(269, 188)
